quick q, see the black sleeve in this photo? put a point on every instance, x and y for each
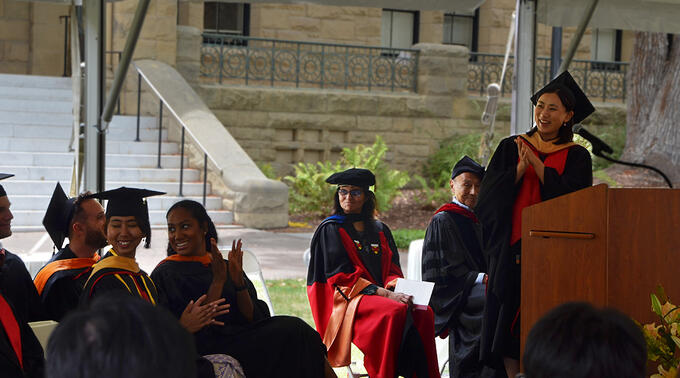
(327, 255)
(578, 174)
(23, 295)
(444, 262)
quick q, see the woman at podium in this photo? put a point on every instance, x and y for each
(526, 169)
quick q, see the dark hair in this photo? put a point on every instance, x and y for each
(576, 340)
(367, 210)
(120, 336)
(199, 213)
(565, 133)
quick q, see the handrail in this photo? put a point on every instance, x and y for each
(248, 38)
(163, 101)
(160, 96)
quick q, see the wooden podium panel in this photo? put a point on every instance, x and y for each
(609, 247)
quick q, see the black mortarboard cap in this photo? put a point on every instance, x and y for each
(2, 177)
(58, 216)
(467, 164)
(130, 202)
(353, 176)
(582, 106)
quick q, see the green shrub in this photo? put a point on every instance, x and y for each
(404, 236)
(268, 171)
(452, 149)
(435, 192)
(311, 194)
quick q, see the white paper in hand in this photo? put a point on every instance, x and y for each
(420, 290)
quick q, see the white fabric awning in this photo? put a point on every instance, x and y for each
(435, 5)
(640, 15)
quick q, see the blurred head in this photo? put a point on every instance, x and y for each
(465, 188)
(88, 222)
(189, 229)
(120, 336)
(576, 340)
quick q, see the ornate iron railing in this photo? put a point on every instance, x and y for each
(601, 81)
(261, 61)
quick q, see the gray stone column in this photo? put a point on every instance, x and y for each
(188, 62)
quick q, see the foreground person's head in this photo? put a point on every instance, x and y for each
(577, 340)
(352, 195)
(120, 336)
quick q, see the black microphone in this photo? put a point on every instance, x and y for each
(597, 143)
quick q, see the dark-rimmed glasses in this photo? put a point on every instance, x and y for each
(354, 192)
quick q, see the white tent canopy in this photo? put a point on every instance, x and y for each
(434, 5)
(640, 15)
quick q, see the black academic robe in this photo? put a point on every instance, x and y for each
(32, 352)
(60, 292)
(23, 294)
(452, 259)
(266, 347)
(118, 275)
(498, 192)
(345, 269)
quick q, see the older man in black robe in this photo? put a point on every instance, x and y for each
(453, 260)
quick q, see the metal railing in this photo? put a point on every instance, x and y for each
(261, 61)
(163, 104)
(601, 81)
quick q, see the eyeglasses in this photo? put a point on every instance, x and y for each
(353, 192)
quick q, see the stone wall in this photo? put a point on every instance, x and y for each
(31, 38)
(286, 126)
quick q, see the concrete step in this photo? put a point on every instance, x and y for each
(64, 132)
(28, 218)
(160, 203)
(62, 145)
(65, 159)
(35, 81)
(36, 105)
(32, 118)
(113, 174)
(125, 121)
(34, 93)
(19, 187)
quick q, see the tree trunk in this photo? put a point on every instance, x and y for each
(653, 134)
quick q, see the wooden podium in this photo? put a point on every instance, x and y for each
(609, 247)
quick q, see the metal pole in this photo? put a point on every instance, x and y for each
(205, 175)
(126, 57)
(160, 131)
(66, 25)
(555, 51)
(181, 165)
(576, 39)
(139, 97)
(523, 80)
(93, 16)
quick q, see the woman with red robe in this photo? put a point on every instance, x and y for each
(353, 268)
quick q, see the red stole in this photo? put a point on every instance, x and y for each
(456, 208)
(9, 322)
(530, 189)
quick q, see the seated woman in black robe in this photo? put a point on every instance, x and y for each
(265, 346)
(353, 269)
(526, 169)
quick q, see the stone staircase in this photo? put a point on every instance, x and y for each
(36, 122)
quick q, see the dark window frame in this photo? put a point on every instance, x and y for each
(416, 23)
(474, 43)
(618, 37)
(245, 27)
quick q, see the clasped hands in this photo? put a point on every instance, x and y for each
(527, 157)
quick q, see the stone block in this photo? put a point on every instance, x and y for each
(337, 29)
(243, 119)
(306, 24)
(393, 106)
(291, 101)
(14, 30)
(15, 51)
(439, 85)
(47, 13)
(361, 137)
(432, 33)
(166, 51)
(412, 150)
(239, 98)
(437, 49)
(367, 29)
(51, 63)
(350, 103)
(260, 135)
(16, 10)
(166, 9)
(295, 35)
(2, 8)
(374, 123)
(189, 43)
(324, 11)
(403, 124)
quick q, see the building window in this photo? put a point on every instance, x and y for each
(605, 47)
(226, 18)
(461, 28)
(399, 28)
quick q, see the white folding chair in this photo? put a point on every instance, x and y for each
(415, 272)
(252, 269)
(42, 330)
